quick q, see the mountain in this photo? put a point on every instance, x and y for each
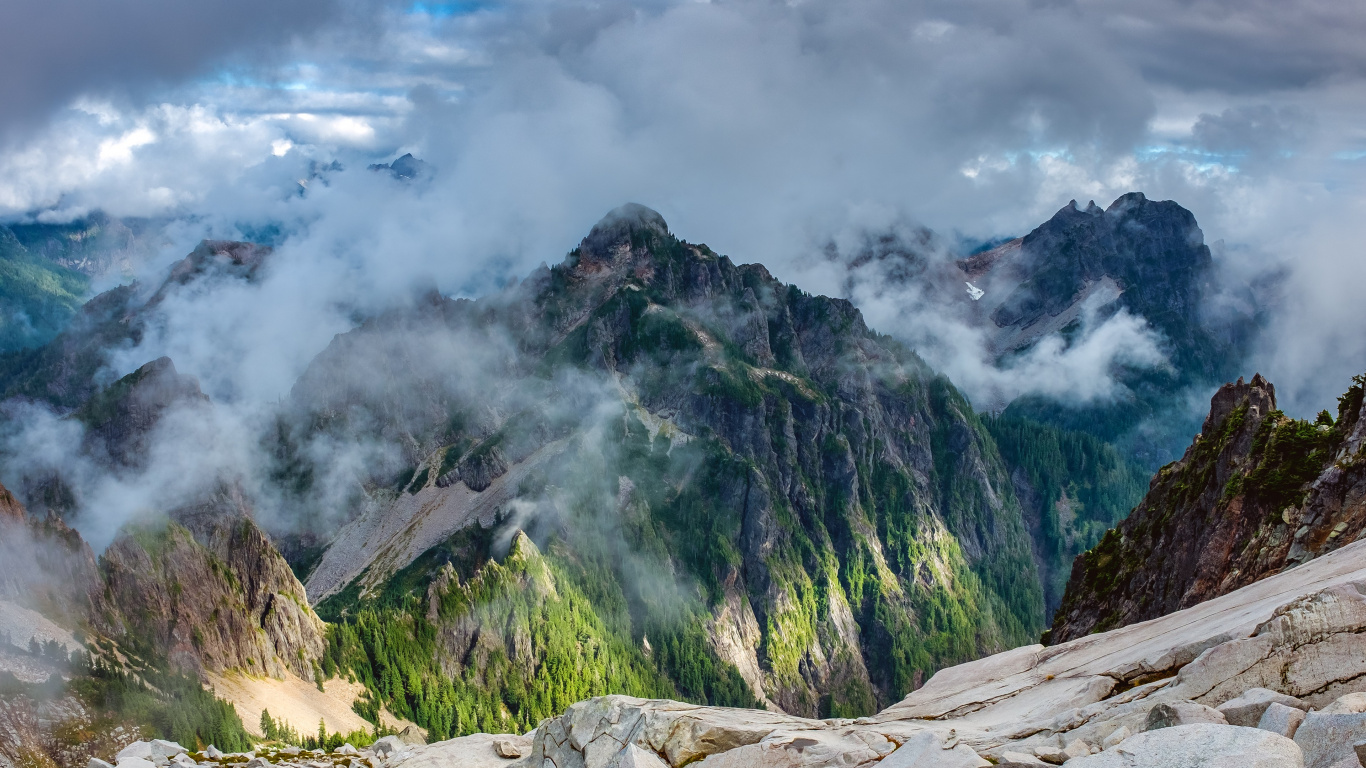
(96, 245)
(1052, 289)
(1145, 257)
(1256, 493)
(37, 296)
(741, 477)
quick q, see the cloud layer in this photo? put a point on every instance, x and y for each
(764, 129)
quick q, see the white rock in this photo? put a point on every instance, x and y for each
(803, 749)
(1050, 754)
(1076, 748)
(142, 749)
(1020, 758)
(1116, 737)
(1351, 704)
(387, 746)
(1247, 709)
(507, 748)
(1173, 713)
(135, 762)
(258, 762)
(213, 753)
(95, 762)
(635, 757)
(168, 748)
(1203, 745)
(928, 749)
(1280, 719)
(1326, 738)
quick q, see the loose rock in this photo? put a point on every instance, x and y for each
(1326, 739)
(1202, 745)
(927, 750)
(1247, 709)
(1116, 737)
(1176, 713)
(1281, 719)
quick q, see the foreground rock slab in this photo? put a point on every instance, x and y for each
(1203, 745)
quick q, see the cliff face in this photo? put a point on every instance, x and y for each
(1255, 493)
(222, 600)
(832, 504)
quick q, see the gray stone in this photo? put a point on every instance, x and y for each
(347, 749)
(168, 749)
(95, 762)
(635, 757)
(1278, 718)
(507, 748)
(387, 746)
(1202, 745)
(1020, 758)
(1051, 754)
(1327, 738)
(1351, 704)
(1075, 748)
(1116, 737)
(258, 762)
(140, 749)
(1247, 709)
(1174, 713)
(928, 750)
(213, 753)
(135, 762)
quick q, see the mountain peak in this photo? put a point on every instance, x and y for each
(620, 224)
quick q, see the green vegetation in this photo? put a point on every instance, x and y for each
(1082, 486)
(37, 297)
(281, 732)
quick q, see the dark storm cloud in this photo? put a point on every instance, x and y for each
(1240, 46)
(54, 50)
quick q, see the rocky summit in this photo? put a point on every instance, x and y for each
(1256, 493)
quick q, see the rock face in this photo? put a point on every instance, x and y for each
(218, 598)
(824, 490)
(1255, 493)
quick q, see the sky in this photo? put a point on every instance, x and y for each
(764, 129)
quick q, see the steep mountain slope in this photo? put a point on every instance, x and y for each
(1256, 493)
(728, 452)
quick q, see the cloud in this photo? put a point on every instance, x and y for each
(763, 129)
(52, 51)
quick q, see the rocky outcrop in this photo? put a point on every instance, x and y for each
(212, 596)
(46, 566)
(1255, 493)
